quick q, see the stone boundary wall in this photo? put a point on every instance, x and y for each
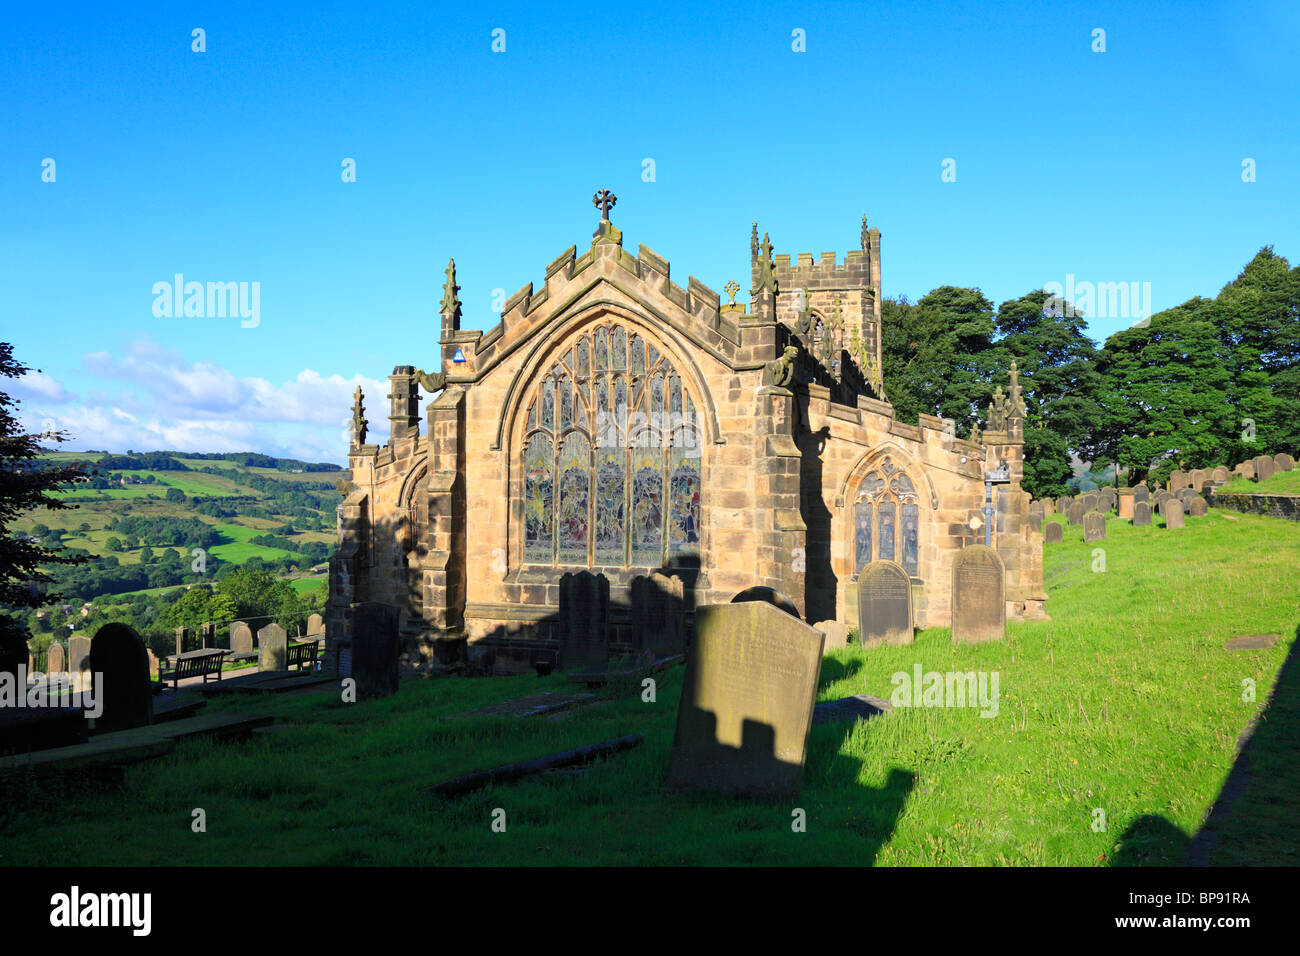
(1274, 506)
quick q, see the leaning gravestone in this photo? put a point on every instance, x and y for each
(120, 663)
(1094, 526)
(979, 607)
(375, 649)
(54, 661)
(1053, 533)
(241, 638)
(1141, 515)
(1173, 512)
(1283, 462)
(658, 620)
(884, 604)
(1264, 468)
(584, 620)
(1076, 514)
(747, 702)
(1198, 507)
(315, 625)
(272, 648)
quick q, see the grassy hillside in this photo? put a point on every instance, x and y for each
(1126, 702)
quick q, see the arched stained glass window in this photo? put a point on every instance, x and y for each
(612, 457)
(888, 495)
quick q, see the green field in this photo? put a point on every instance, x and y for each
(236, 548)
(1126, 702)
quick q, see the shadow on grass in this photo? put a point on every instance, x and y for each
(1255, 821)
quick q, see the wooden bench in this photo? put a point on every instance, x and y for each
(303, 656)
(204, 663)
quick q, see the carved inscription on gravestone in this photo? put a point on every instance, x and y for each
(979, 609)
(884, 604)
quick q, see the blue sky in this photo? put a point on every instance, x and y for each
(225, 165)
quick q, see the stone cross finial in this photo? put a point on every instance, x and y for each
(604, 200)
(358, 417)
(864, 232)
(731, 288)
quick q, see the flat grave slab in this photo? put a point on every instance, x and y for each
(857, 707)
(532, 705)
(1253, 642)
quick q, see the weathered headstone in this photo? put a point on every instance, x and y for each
(658, 620)
(979, 608)
(1185, 495)
(1090, 501)
(770, 596)
(1108, 501)
(1141, 493)
(747, 702)
(1063, 504)
(120, 663)
(1053, 533)
(1264, 468)
(1199, 477)
(1036, 513)
(1283, 462)
(836, 634)
(153, 664)
(1094, 526)
(376, 649)
(1126, 503)
(241, 638)
(1173, 513)
(1141, 515)
(55, 662)
(884, 604)
(1049, 507)
(315, 625)
(1075, 514)
(1246, 469)
(182, 639)
(1220, 475)
(1198, 507)
(78, 653)
(584, 621)
(272, 648)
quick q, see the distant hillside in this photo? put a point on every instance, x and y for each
(163, 519)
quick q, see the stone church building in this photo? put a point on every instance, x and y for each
(617, 421)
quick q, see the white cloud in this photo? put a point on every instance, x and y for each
(168, 402)
(37, 385)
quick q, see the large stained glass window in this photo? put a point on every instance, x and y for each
(890, 496)
(612, 470)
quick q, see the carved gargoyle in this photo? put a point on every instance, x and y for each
(781, 371)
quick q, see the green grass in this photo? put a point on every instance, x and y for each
(236, 548)
(1126, 701)
(1282, 483)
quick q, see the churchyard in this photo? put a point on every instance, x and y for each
(1115, 729)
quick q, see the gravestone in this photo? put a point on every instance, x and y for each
(1049, 507)
(153, 664)
(1053, 533)
(884, 604)
(1220, 475)
(1141, 493)
(1199, 477)
(1185, 495)
(1090, 501)
(208, 635)
(1109, 501)
(1075, 514)
(182, 639)
(1198, 507)
(55, 662)
(1142, 515)
(658, 621)
(771, 596)
(1036, 513)
(315, 625)
(120, 663)
(272, 648)
(241, 638)
(1247, 469)
(584, 621)
(979, 607)
(1264, 468)
(836, 634)
(1126, 503)
(747, 702)
(1178, 480)
(1283, 462)
(78, 653)
(1094, 526)
(1173, 513)
(376, 649)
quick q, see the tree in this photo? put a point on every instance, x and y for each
(26, 483)
(175, 494)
